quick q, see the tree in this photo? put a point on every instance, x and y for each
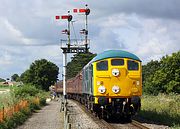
(41, 73)
(162, 76)
(149, 69)
(2, 80)
(15, 77)
(78, 62)
(27, 77)
(148, 72)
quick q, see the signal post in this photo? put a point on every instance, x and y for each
(72, 47)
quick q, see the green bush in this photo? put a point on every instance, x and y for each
(17, 119)
(43, 102)
(42, 96)
(34, 106)
(26, 111)
(25, 91)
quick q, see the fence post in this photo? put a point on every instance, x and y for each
(69, 126)
(3, 113)
(13, 108)
(67, 118)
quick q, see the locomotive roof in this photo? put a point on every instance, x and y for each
(115, 54)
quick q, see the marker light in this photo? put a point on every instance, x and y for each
(115, 72)
(101, 89)
(99, 82)
(115, 89)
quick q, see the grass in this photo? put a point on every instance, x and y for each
(2, 87)
(163, 109)
(6, 100)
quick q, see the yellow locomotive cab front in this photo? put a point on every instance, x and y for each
(117, 78)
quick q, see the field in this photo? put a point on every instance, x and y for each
(163, 109)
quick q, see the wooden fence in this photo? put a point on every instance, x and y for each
(9, 111)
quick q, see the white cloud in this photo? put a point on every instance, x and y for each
(28, 30)
(149, 38)
(156, 39)
(11, 35)
(5, 59)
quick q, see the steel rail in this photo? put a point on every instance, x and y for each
(105, 125)
(139, 125)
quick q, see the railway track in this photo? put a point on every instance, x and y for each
(108, 125)
(137, 124)
(133, 125)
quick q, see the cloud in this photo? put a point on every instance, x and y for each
(12, 36)
(18, 59)
(29, 31)
(157, 38)
(149, 38)
(5, 59)
(147, 8)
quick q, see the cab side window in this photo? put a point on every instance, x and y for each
(102, 66)
(132, 65)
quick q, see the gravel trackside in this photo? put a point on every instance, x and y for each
(49, 117)
(79, 119)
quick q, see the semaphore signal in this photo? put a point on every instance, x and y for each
(86, 11)
(72, 49)
(68, 17)
(66, 31)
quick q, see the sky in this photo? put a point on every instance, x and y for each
(28, 30)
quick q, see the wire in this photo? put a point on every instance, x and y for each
(74, 31)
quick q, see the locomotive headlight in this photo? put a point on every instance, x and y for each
(115, 89)
(115, 72)
(101, 89)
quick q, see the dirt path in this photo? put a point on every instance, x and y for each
(49, 117)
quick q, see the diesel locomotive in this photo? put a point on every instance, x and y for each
(109, 85)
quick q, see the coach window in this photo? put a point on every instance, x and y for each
(117, 62)
(102, 66)
(132, 65)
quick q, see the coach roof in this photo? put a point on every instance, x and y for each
(115, 54)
